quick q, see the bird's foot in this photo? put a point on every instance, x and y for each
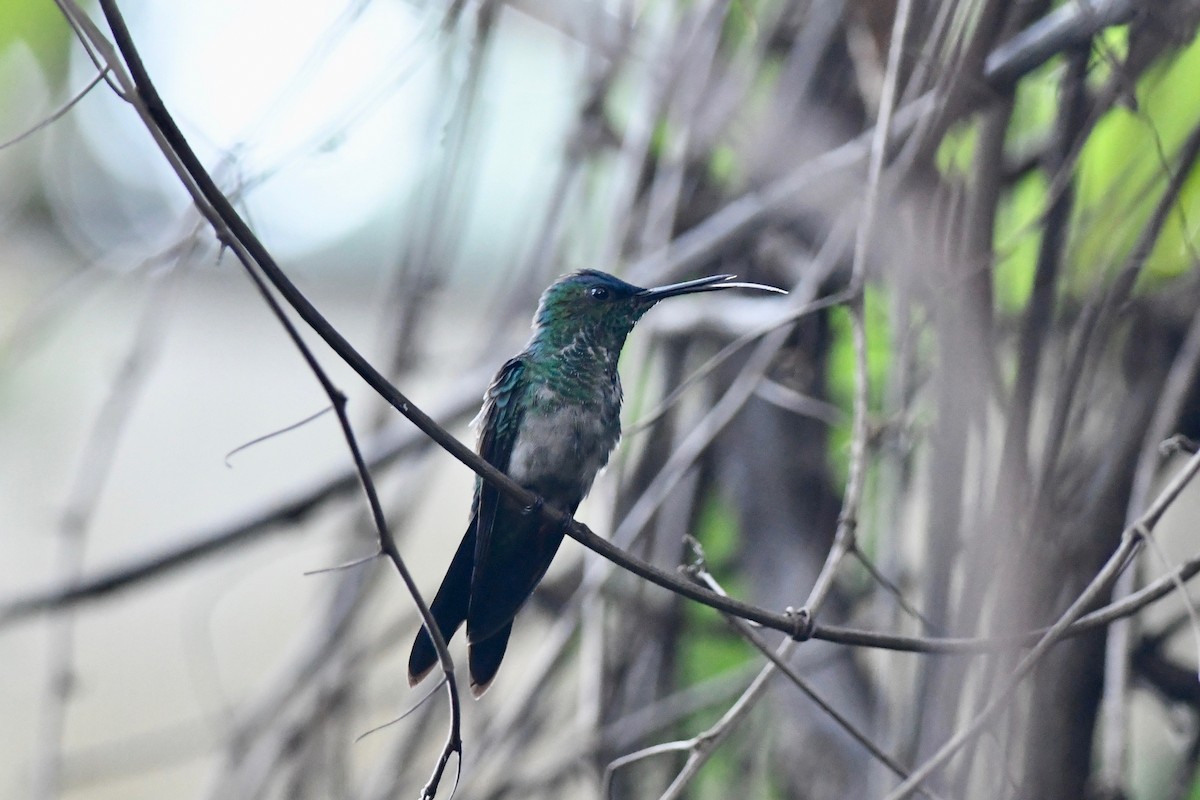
(536, 507)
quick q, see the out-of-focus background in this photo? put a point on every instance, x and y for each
(423, 171)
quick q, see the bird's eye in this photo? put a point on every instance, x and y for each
(598, 292)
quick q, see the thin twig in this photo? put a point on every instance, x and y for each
(141, 571)
(391, 446)
(844, 536)
(278, 432)
(891, 588)
(1189, 607)
(387, 543)
(641, 755)
(1126, 279)
(1039, 313)
(1130, 539)
(703, 745)
(729, 350)
(1113, 725)
(778, 657)
(75, 522)
(231, 229)
(59, 112)
(242, 247)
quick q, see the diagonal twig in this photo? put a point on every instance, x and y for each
(844, 536)
(1130, 540)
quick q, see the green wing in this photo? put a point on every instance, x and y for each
(501, 419)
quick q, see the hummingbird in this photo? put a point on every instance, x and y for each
(550, 419)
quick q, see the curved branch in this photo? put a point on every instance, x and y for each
(230, 227)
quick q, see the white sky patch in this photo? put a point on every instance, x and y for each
(327, 105)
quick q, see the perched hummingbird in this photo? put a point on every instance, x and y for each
(549, 421)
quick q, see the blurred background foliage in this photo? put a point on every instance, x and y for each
(423, 170)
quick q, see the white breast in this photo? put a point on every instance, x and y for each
(561, 450)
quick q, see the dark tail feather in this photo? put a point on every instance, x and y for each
(449, 608)
(485, 659)
(507, 577)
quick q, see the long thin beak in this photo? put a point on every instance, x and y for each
(710, 284)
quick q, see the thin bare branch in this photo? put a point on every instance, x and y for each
(778, 658)
(58, 113)
(391, 446)
(1113, 728)
(1117, 561)
(85, 492)
(844, 537)
(179, 152)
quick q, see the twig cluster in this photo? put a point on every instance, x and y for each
(987, 516)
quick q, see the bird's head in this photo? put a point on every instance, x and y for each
(600, 309)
